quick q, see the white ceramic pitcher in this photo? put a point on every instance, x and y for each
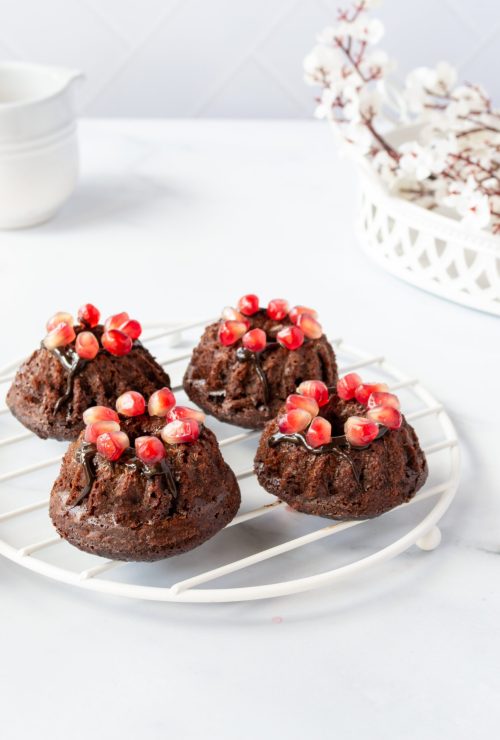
(38, 144)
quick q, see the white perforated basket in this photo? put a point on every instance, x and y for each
(267, 550)
(427, 249)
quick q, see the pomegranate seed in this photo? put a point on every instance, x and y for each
(99, 413)
(231, 314)
(248, 304)
(231, 331)
(130, 403)
(314, 389)
(161, 402)
(92, 431)
(86, 345)
(311, 328)
(379, 398)
(290, 337)
(112, 444)
(149, 449)
(180, 413)
(364, 391)
(61, 317)
(360, 431)
(293, 421)
(88, 315)
(294, 401)
(347, 385)
(116, 321)
(255, 340)
(180, 431)
(61, 335)
(132, 329)
(116, 342)
(319, 433)
(277, 309)
(297, 310)
(389, 416)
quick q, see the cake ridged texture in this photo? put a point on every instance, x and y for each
(390, 470)
(214, 369)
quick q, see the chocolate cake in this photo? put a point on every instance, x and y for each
(356, 458)
(246, 364)
(149, 488)
(78, 366)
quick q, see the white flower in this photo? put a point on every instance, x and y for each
(467, 100)
(415, 162)
(439, 148)
(321, 64)
(324, 109)
(370, 30)
(358, 136)
(469, 203)
(351, 102)
(369, 103)
(424, 81)
(377, 61)
(331, 33)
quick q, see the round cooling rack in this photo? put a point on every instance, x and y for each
(268, 549)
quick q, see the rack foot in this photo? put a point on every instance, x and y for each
(430, 540)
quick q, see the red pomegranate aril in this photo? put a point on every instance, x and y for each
(360, 431)
(231, 331)
(308, 324)
(130, 403)
(61, 317)
(293, 421)
(161, 402)
(364, 391)
(116, 321)
(99, 413)
(86, 345)
(180, 413)
(248, 304)
(277, 309)
(180, 431)
(88, 315)
(92, 431)
(255, 340)
(231, 314)
(347, 385)
(116, 342)
(319, 433)
(60, 336)
(290, 337)
(306, 403)
(380, 398)
(132, 329)
(389, 416)
(314, 389)
(297, 310)
(149, 449)
(112, 445)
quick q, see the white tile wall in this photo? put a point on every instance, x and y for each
(229, 57)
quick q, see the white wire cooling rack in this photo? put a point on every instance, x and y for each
(268, 550)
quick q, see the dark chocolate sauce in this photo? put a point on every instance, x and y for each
(85, 456)
(335, 447)
(246, 355)
(72, 364)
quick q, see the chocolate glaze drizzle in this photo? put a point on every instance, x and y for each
(297, 438)
(85, 456)
(246, 355)
(72, 364)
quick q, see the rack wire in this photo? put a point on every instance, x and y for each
(268, 550)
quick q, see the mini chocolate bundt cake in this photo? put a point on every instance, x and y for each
(143, 486)
(78, 366)
(350, 455)
(246, 364)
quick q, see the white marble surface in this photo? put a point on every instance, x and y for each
(177, 219)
